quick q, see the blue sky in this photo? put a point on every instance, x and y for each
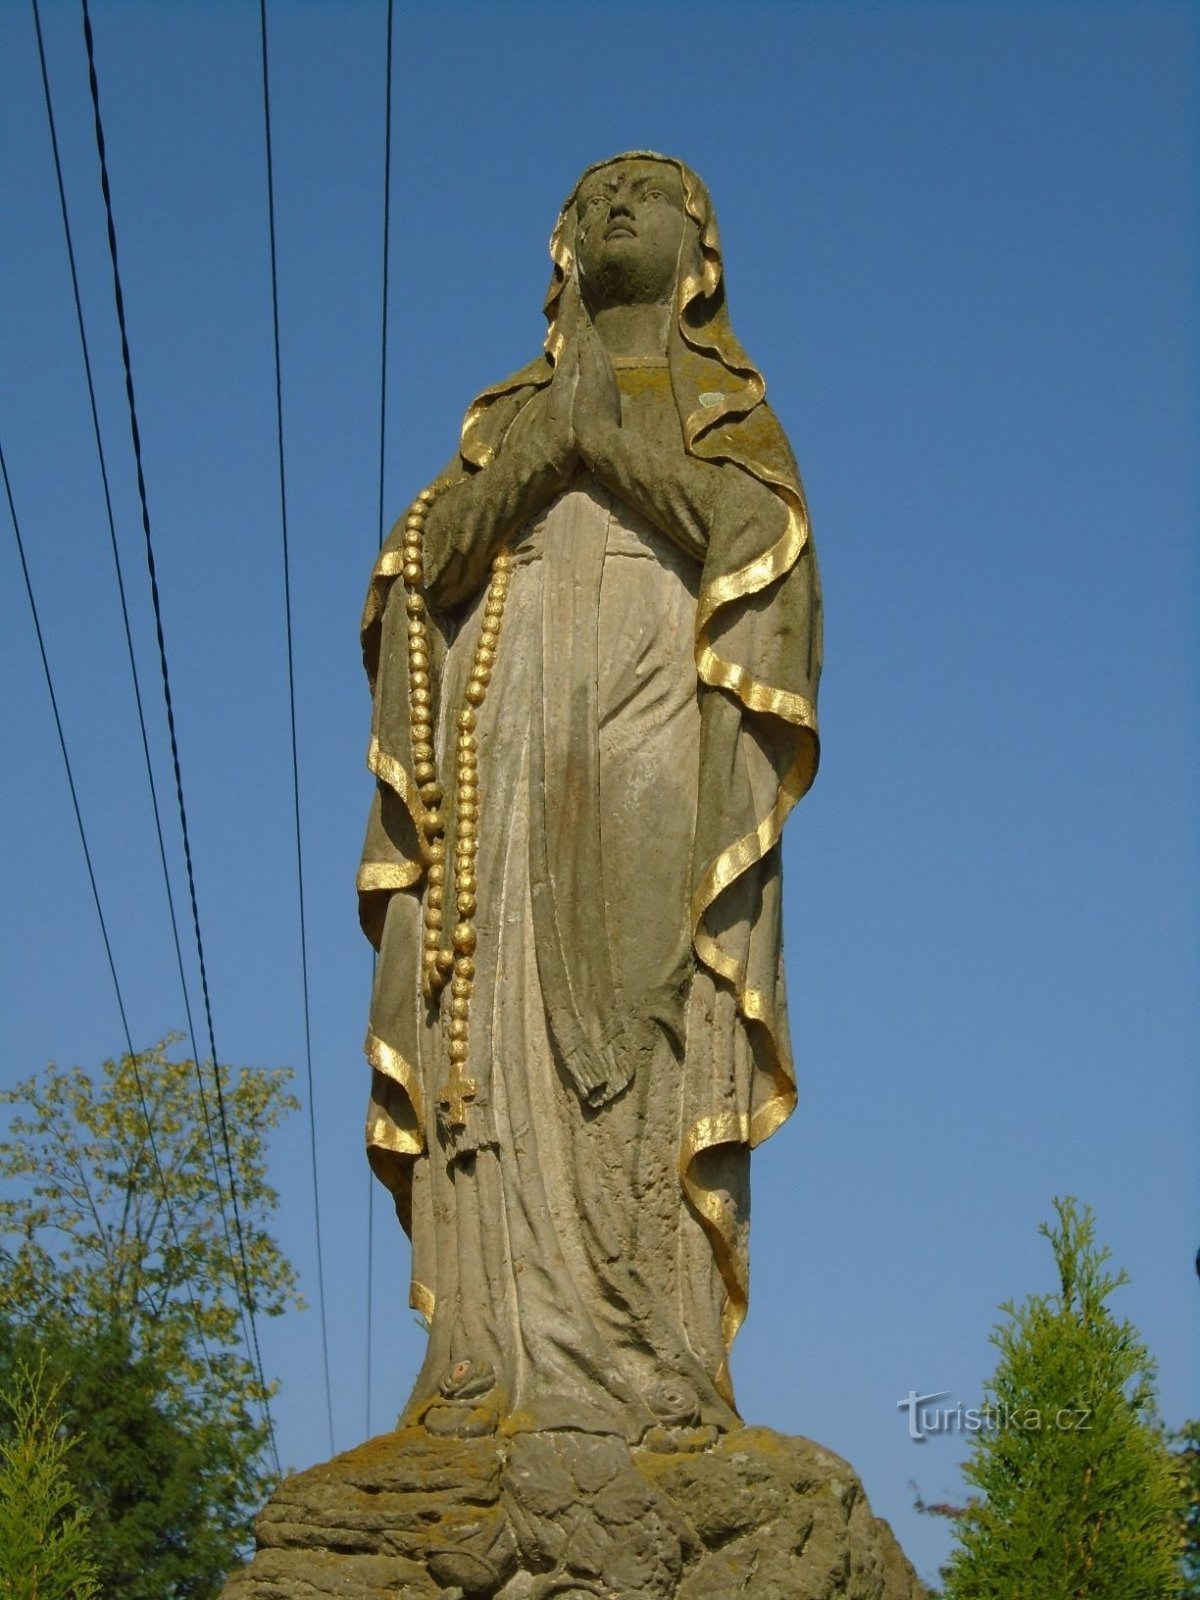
(961, 243)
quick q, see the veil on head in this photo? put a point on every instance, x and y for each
(712, 377)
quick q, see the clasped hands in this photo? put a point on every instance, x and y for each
(581, 421)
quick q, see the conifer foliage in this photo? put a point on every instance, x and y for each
(44, 1547)
(1077, 1496)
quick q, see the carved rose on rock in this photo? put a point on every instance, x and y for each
(467, 1380)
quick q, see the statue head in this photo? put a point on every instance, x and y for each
(636, 229)
(632, 232)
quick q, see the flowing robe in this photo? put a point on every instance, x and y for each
(583, 1236)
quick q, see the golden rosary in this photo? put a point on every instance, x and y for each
(454, 961)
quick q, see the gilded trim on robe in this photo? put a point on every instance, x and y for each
(390, 770)
(741, 856)
(422, 1299)
(392, 1064)
(380, 875)
(728, 1127)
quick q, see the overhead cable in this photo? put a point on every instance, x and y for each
(383, 368)
(119, 300)
(108, 951)
(291, 675)
(133, 669)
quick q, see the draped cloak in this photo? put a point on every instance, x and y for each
(751, 621)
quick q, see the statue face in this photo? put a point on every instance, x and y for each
(630, 227)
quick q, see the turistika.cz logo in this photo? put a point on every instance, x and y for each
(926, 1417)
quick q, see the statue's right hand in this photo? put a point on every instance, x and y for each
(556, 433)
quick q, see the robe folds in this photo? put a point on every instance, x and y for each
(581, 1238)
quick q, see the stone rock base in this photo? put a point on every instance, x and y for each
(748, 1515)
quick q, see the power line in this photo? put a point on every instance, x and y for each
(383, 361)
(387, 223)
(137, 691)
(170, 710)
(108, 952)
(287, 602)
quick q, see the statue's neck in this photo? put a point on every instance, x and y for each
(633, 330)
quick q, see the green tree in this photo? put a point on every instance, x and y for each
(120, 1263)
(1077, 1494)
(1186, 1444)
(45, 1552)
(160, 1489)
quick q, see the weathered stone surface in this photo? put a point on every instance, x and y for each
(594, 644)
(756, 1515)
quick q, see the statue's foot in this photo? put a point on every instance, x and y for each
(460, 1422)
(681, 1441)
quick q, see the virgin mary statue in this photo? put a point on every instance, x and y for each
(593, 645)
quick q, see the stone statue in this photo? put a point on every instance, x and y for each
(594, 645)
